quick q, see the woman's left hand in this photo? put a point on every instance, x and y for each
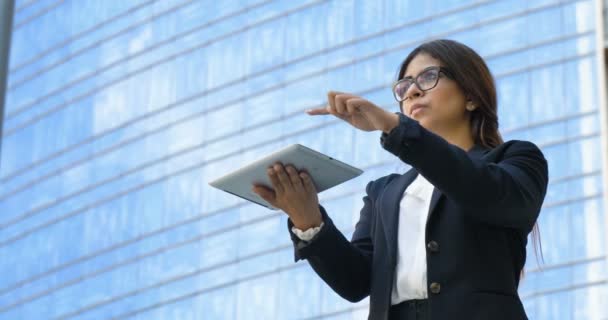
(358, 112)
(293, 192)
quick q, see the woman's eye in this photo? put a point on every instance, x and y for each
(402, 89)
(430, 76)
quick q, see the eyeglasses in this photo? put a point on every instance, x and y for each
(425, 80)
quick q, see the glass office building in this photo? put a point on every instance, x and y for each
(118, 113)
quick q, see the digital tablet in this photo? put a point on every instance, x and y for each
(326, 172)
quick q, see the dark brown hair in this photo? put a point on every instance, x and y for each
(471, 73)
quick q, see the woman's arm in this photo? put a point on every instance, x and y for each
(509, 193)
(345, 266)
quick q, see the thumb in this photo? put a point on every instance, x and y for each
(316, 112)
(265, 193)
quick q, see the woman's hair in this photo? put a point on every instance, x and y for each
(473, 76)
(471, 73)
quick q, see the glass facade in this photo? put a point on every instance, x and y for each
(118, 113)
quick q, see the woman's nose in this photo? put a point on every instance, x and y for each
(413, 92)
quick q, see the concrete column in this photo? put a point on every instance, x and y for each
(601, 48)
(6, 23)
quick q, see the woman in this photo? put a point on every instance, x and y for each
(447, 239)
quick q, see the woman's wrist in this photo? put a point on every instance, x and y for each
(391, 122)
(305, 224)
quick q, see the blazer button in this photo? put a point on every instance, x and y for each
(433, 246)
(435, 288)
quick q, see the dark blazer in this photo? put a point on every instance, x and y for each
(484, 204)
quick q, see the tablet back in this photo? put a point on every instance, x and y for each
(325, 171)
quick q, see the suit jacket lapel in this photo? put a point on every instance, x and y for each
(392, 200)
(434, 200)
(389, 209)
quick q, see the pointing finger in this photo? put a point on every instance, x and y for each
(316, 112)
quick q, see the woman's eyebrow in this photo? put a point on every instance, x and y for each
(412, 77)
(423, 69)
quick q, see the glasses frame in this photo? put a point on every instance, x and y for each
(439, 69)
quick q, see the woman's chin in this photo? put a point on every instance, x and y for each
(420, 118)
(425, 122)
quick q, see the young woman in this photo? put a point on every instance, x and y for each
(447, 239)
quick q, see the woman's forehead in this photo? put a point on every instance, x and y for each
(420, 62)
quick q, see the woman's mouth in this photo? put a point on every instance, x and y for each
(416, 109)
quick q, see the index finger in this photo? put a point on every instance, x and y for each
(318, 111)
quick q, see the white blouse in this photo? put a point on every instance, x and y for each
(410, 272)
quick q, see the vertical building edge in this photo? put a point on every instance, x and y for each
(6, 22)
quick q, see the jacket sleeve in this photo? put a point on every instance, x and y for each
(344, 265)
(508, 193)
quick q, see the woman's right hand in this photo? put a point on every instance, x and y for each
(358, 112)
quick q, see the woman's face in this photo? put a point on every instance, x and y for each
(444, 106)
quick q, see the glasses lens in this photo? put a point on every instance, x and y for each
(428, 79)
(400, 89)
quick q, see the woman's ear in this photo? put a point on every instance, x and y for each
(470, 105)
